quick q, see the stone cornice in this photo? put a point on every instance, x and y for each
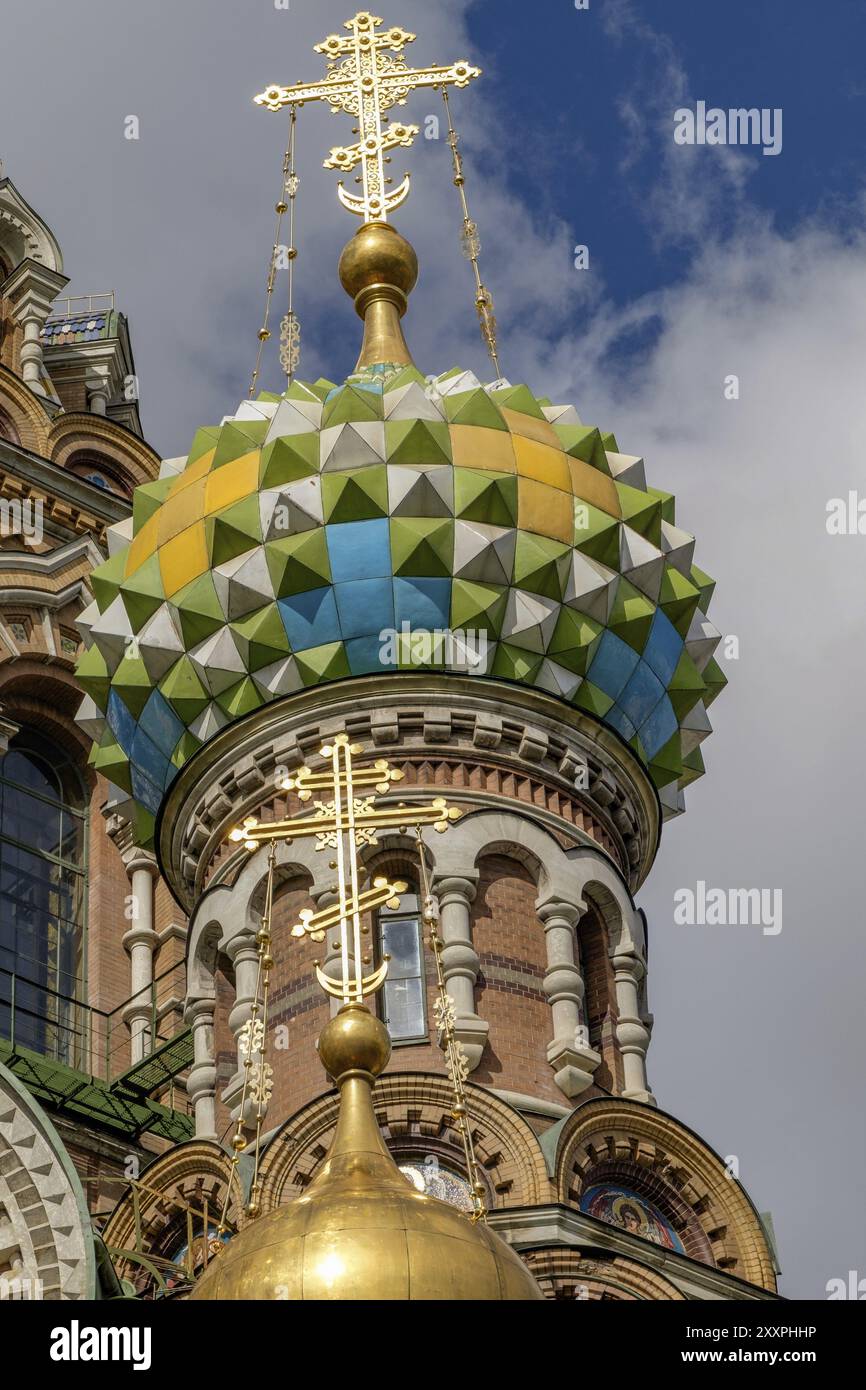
(540, 1227)
(412, 718)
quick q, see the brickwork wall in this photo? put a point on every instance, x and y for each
(509, 940)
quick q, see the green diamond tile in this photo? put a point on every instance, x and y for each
(484, 496)
(359, 494)
(417, 443)
(198, 609)
(184, 691)
(473, 408)
(478, 606)
(298, 563)
(541, 565)
(106, 579)
(575, 641)
(261, 637)
(325, 663)
(143, 593)
(233, 531)
(289, 459)
(422, 546)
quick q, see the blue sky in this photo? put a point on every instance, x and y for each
(568, 73)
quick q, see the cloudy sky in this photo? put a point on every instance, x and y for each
(704, 262)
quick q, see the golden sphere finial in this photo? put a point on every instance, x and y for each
(379, 269)
(354, 1041)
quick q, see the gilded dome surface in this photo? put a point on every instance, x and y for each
(340, 530)
(361, 1230)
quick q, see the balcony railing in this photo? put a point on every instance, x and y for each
(64, 1029)
(77, 305)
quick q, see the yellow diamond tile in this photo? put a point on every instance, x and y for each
(545, 510)
(232, 482)
(193, 473)
(142, 546)
(177, 513)
(543, 464)
(592, 486)
(530, 428)
(475, 446)
(183, 558)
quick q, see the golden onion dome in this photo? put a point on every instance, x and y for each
(360, 1230)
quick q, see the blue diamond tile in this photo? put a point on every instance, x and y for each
(612, 665)
(664, 647)
(359, 549)
(364, 606)
(310, 619)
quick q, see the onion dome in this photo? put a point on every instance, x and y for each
(342, 529)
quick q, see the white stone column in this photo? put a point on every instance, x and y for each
(98, 390)
(460, 962)
(632, 1034)
(243, 952)
(569, 1052)
(140, 941)
(31, 289)
(201, 1082)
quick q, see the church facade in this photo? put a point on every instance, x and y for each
(473, 586)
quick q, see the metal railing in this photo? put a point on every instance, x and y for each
(77, 305)
(70, 1031)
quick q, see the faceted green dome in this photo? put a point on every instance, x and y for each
(395, 522)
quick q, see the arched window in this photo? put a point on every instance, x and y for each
(404, 1002)
(101, 472)
(7, 429)
(43, 896)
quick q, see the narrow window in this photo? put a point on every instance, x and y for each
(404, 1005)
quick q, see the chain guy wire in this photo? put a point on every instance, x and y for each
(290, 328)
(471, 244)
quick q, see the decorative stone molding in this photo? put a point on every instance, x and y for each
(31, 290)
(226, 779)
(568, 1272)
(632, 1033)
(703, 1197)
(45, 1240)
(414, 1111)
(569, 1052)
(460, 963)
(201, 1081)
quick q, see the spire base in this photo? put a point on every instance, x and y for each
(379, 268)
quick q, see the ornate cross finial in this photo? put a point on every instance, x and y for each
(345, 821)
(366, 84)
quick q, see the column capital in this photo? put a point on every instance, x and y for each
(451, 887)
(139, 936)
(135, 859)
(557, 913)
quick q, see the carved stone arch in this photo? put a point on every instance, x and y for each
(196, 1174)
(23, 234)
(32, 423)
(644, 1143)
(412, 1105)
(509, 833)
(602, 888)
(566, 1273)
(124, 453)
(44, 1223)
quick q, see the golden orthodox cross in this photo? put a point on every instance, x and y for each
(366, 84)
(345, 820)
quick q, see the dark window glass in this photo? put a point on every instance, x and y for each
(43, 883)
(404, 1004)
